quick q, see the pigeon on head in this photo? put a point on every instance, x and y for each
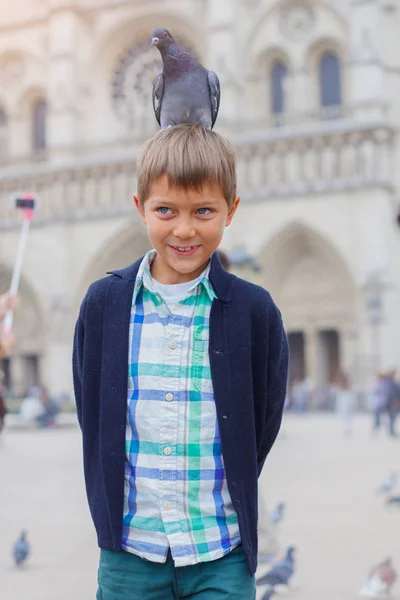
(184, 92)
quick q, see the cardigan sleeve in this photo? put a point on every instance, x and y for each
(77, 359)
(277, 372)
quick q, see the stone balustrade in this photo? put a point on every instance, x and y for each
(290, 162)
(334, 156)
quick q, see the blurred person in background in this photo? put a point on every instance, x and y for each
(301, 395)
(7, 345)
(7, 339)
(49, 409)
(345, 402)
(393, 407)
(386, 400)
(3, 407)
(39, 406)
(224, 259)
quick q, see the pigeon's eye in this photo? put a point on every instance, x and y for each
(165, 34)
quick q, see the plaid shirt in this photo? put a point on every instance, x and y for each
(176, 495)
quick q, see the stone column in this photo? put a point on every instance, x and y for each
(222, 55)
(58, 353)
(363, 80)
(63, 95)
(18, 375)
(310, 352)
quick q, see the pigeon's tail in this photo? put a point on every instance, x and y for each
(268, 593)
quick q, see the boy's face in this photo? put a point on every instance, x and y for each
(185, 227)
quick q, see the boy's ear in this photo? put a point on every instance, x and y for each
(140, 208)
(232, 211)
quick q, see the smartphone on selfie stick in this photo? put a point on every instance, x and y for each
(28, 203)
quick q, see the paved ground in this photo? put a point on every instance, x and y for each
(334, 518)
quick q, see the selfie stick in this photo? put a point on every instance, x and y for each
(27, 202)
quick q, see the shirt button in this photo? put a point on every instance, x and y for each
(167, 505)
(167, 451)
(169, 397)
(172, 345)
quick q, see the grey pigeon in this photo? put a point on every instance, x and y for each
(387, 485)
(281, 572)
(21, 550)
(276, 515)
(393, 500)
(185, 92)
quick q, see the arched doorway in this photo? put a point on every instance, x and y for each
(23, 369)
(312, 286)
(119, 251)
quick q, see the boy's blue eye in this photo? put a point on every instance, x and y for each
(163, 210)
(202, 211)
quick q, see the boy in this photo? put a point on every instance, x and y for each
(180, 375)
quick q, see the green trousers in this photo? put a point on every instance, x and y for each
(124, 576)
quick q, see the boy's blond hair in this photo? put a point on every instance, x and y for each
(190, 156)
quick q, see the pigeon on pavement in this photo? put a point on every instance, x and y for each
(276, 515)
(387, 486)
(185, 92)
(281, 572)
(268, 594)
(380, 581)
(393, 500)
(21, 550)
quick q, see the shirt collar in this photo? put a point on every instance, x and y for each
(144, 278)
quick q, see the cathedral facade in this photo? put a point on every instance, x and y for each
(310, 97)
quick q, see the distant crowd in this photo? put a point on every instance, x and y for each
(384, 399)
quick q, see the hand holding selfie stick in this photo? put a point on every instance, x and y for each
(26, 202)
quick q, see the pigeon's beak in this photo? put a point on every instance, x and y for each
(155, 41)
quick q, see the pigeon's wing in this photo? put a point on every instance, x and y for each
(158, 90)
(280, 574)
(20, 551)
(215, 95)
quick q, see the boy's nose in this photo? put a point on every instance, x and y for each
(184, 230)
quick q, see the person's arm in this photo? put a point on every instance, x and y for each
(277, 373)
(7, 338)
(77, 359)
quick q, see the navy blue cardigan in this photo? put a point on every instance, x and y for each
(248, 358)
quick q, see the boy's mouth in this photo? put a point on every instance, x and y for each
(184, 250)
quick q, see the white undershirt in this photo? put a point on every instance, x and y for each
(174, 293)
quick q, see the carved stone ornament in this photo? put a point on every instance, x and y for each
(297, 20)
(11, 69)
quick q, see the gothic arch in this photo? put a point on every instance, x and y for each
(309, 278)
(272, 16)
(138, 29)
(119, 251)
(324, 46)
(28, 99)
